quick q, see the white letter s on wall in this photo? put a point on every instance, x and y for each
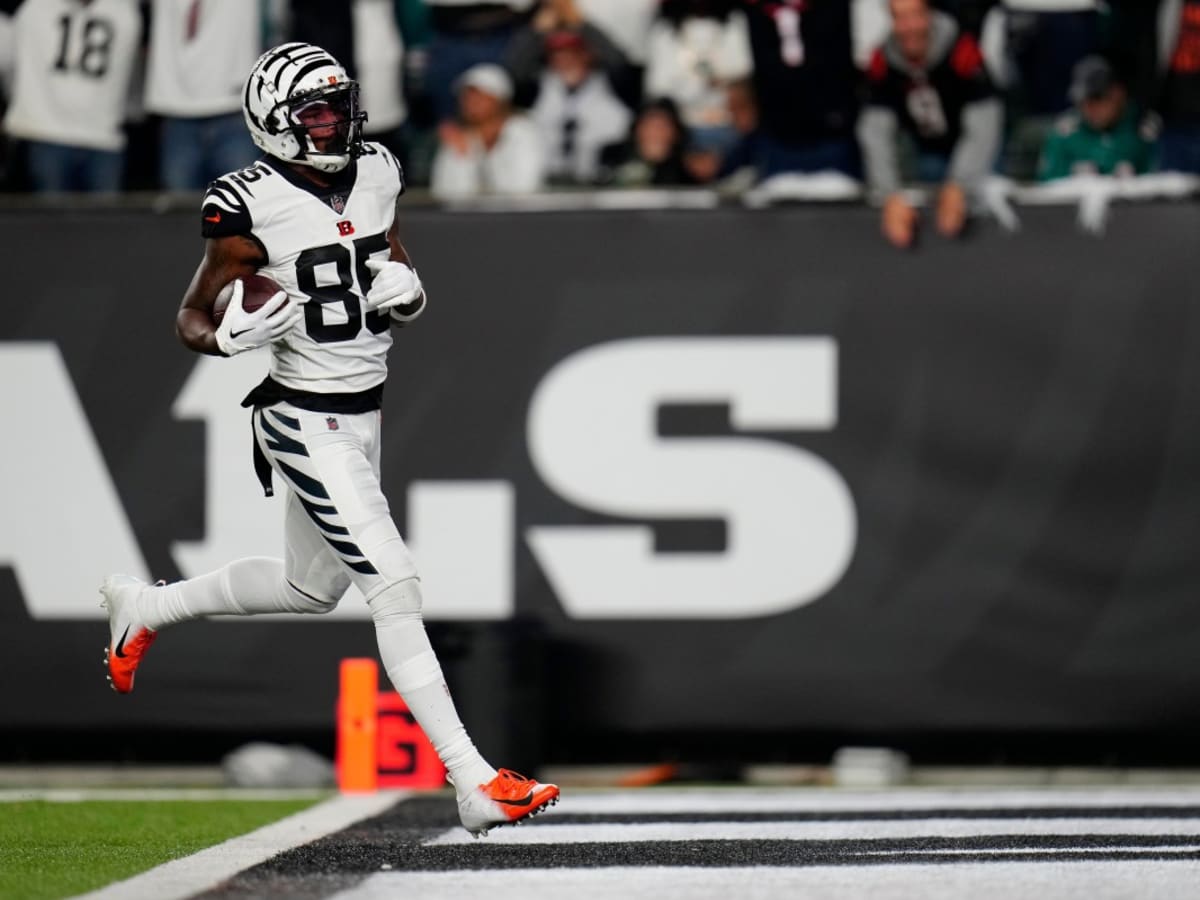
(592, 436)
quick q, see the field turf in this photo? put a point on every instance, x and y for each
(52, 849)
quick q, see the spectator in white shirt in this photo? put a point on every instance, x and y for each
(577, 112)
(491, 149)
(70, 90)
(194, 81)
(697, 49)
(379, 55)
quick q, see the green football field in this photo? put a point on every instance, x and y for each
(57, 849)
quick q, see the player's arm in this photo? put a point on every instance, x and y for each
(398, 253)
(225, 258)
(394, 284)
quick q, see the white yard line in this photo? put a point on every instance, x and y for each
(947, 881)
(201, 871)
(622, 833)
(775, 800)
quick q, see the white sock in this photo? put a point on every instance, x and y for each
(416, 674)
(245, 587)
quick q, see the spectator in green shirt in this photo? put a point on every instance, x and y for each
(1105, 134)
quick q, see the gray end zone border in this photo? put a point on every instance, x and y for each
(202, 871)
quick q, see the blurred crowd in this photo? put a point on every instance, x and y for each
(512, 96)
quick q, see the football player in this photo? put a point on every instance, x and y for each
(321, 198)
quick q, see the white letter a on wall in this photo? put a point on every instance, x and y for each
(62, 528)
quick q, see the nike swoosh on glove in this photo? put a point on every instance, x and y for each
(395, 287)
(240, 330)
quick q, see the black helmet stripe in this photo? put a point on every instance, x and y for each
(296, 60)
(310, 67)
(257, 83)
(279, 55)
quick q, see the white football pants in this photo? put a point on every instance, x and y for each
(338, 527)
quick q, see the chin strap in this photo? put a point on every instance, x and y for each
(342, 160)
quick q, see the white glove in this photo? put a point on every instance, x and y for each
(395, 287)
(240, 330)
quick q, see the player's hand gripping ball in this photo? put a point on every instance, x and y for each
(256, 291)
(254, 312)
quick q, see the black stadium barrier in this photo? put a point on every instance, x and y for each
(715, 484)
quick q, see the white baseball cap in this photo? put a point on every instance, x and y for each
(489, 78)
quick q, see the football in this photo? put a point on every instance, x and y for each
(257, 291)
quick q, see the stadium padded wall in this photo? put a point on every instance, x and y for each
(673, 477)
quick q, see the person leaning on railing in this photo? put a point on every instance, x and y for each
(929, 79)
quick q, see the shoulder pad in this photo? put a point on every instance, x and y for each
(224, 211)
(387, 158)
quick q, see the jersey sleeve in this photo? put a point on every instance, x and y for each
(393, 166)
(223, 211)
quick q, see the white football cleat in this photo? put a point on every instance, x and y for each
(129, 639)
(508, 799)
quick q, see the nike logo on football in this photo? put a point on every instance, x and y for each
(213, 218)
(121, 645)
(524, 801)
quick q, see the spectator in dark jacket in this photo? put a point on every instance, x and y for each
(929, 79)
(748, 152)
(805, 81)
(655, 154)
(528, 54)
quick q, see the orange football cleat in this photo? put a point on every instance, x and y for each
(128, 638)
(508, 799)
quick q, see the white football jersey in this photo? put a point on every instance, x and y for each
(317, 242)
(73, 63)
(199, 53)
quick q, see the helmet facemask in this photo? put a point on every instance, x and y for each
(302, 108)
(326, 123)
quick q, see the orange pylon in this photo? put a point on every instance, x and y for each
(357, 726)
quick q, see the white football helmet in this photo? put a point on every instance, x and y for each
(293, 78)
